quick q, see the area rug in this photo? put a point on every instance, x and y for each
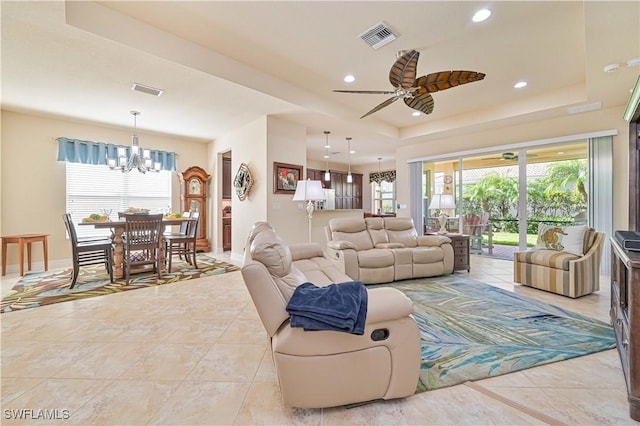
(45, 288)
(473, 331)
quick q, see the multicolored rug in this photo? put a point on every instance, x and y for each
(45, 288)
(473, 331)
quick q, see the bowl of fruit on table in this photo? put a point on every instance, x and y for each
(96, 218)
(173, 215)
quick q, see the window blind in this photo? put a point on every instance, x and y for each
(91, 188)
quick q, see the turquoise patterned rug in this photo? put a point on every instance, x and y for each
(473, 331)
(44, 288)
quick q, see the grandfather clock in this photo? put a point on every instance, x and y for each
(193, 190)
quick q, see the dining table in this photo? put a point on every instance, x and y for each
(117, 229)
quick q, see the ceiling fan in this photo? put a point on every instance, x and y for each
(509, 156)
(416, 93)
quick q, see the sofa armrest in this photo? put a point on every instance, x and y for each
(341, 245)
(305, 251)
(344, 256)
(433, 240)
(389, 245)
(387, 304)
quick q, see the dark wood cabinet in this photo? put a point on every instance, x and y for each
(226, 178)
(625, 271)
(348, 195)
(226, 233)
(625, 318)
(314, 174)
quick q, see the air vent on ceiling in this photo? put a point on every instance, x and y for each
(378, 35)
(146, 89)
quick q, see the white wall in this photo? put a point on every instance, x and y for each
(248, 145)
(286, 144)
(33, 182)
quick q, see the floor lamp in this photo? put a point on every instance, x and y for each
(309, 191)
(442, 202)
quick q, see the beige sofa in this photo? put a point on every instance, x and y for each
(381, 250)
(329, 368)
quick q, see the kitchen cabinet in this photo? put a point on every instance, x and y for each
(348, 195)
(226, 178)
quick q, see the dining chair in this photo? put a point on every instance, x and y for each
(88, 251)
(142, 242)
(183, 245)
(183, 226)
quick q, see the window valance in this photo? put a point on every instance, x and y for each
(378, 177)
(89, 152)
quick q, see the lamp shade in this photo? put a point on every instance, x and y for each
(309, 190)
(442, 201)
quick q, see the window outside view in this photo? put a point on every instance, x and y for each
(557, 193)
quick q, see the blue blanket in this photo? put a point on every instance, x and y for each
(337, 307)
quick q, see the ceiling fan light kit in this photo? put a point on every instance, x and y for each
(416, 93)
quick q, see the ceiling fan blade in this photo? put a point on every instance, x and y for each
(422, 103)
(447, 79)
(403, 71)
(382, 105)
(369, 92)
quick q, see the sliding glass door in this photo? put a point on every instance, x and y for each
(502, 197)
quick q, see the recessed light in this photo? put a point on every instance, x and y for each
(481, 15)
(415, 113)
(325, 156)
(633, 62)
(327, 146)
(352, 152)
(349, 79)
(611, 67)
(520, 84)
(561, 152)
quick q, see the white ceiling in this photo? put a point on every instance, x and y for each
(223, 64)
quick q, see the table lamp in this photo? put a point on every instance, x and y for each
(442, 202)
(309, 191)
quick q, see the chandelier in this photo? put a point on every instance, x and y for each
(139, 159)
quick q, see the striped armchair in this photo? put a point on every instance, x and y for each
(560, 272)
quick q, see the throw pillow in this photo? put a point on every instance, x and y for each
(569, 239)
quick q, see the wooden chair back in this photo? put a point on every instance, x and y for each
(143, 232)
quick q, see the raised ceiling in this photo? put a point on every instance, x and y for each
(223, 64)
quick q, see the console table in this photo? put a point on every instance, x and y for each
(625, 317)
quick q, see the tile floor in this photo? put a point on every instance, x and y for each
(196, 353)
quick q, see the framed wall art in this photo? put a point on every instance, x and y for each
(286, 177)
(243, 182)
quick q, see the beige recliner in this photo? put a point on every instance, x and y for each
(327, 368)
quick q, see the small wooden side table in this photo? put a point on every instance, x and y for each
(21, 240)
(461, 249)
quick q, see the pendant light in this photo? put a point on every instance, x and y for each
(327, 175)
(349, 176)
